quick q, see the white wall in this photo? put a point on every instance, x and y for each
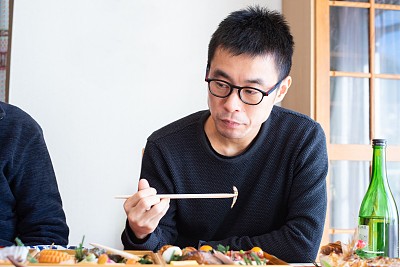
(100, 76)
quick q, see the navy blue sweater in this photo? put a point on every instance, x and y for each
(30, 203)
(281, 181)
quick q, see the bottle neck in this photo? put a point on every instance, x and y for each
(379, 165)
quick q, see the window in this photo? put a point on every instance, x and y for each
(346, 76)
(363, 102)
(5, 41)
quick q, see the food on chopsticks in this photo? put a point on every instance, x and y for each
(207, 255)
(339, 254)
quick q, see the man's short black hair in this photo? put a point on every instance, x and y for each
(255, 31)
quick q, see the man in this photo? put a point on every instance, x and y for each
(30, 203)
(275, 157)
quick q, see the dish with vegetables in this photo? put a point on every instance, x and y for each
(81, 255)
(206, 254)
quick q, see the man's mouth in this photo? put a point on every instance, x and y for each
(231, 123)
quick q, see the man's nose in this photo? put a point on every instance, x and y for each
(233, 101)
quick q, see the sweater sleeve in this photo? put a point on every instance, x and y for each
(156, 171)
(41, 219)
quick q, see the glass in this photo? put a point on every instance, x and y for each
(387, 36)
(349, 39)
(349, 111)
(249, 95)
(387, 110)
(348, 183)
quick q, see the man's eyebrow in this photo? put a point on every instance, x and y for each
(221, 74)
(256, 81)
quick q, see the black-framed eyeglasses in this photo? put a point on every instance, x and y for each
(248, 95)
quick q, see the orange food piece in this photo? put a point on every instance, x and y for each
(256, 249)
(102, 259)
(53, 256)
(206, 248)
(131, 261)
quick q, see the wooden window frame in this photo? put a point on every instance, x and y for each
(309, 94)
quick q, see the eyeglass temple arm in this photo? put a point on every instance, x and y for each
(274, 88)
(207, 71)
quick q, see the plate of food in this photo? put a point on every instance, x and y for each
(338, 254)
(24, 256)
(222, 255)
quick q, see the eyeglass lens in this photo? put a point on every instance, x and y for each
(246, 94)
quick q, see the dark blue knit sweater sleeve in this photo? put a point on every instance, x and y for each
(31, 206)
(155, 169)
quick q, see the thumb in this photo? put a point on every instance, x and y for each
(143, 184)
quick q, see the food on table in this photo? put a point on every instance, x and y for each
(257, 250)
(332, 247)
(54, 256)
(206, 248)
(78, 256)
(222, 255)
(164, 248)
(19, 253)
(201, 257)
(338, 254)
(186, 250)
(171, 253)
(103, 258)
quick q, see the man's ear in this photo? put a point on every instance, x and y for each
(283, 89)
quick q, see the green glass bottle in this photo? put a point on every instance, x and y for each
(378, 219)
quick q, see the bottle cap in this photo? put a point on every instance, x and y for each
(379, 142)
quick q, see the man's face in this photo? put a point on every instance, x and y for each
(233, 119)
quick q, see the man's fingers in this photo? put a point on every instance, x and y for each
(144, 198)
(143, 184)
(145, 209)
(144, 222)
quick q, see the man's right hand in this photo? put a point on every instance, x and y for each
(145, 210)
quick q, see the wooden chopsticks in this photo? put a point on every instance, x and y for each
(117, 251)
(233, 195)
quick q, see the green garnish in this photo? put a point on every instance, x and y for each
(79, 253)
(19, 242)
(29, 256)
(175, 258)
(31, 259)
(145, 260)
(223, 249)
(247, 260)
(256, 258)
